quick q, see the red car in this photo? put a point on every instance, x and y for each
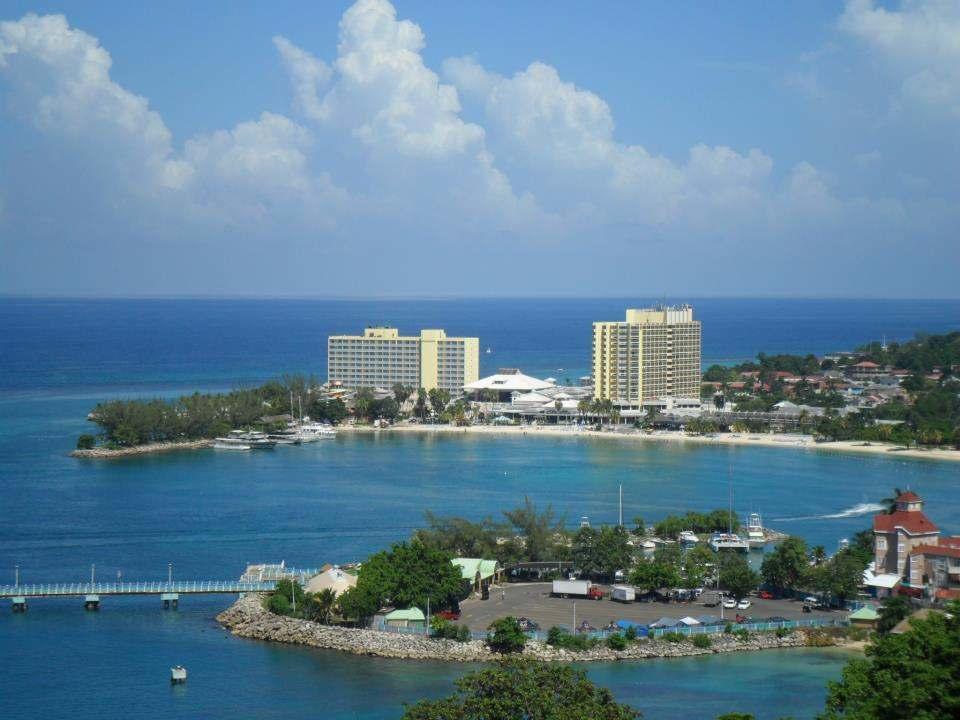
(448, 615)
(765, 595)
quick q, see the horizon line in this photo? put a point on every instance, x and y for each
(665, 299)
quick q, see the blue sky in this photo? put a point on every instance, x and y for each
(493, 148)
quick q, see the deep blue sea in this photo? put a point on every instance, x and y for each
(210, 513)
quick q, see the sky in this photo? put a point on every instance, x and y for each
(480, 148)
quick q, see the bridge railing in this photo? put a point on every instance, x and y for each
(183, 587)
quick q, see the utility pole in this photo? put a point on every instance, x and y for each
(574, 616)
(621, 504)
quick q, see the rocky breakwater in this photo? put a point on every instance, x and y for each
(249, 619)
(106, 453)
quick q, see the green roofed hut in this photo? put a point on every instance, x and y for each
(406, 617)
(864, 617)
(481, 574)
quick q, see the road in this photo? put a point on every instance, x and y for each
(533, 600)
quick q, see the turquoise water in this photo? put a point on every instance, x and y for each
(211, 513)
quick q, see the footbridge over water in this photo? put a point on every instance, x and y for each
(262, 578)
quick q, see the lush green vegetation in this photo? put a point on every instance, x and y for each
(404, 576)
(523, 690)
(127, 423)
(717, 520)
(795, 566)
(911, 676)
(291, 600)
(736, 576)
(443, 628)
(524, 534)
(601, 552)
(558, 637)
(506, 636)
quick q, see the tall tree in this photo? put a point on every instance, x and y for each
(519, 689)
(911, 676)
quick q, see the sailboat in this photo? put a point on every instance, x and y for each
(729, 540)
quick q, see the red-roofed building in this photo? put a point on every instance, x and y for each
(895, 535)
(936, 567)
(907, 544)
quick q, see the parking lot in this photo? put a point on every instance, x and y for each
(533, 600)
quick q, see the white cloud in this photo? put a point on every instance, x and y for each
(379, 163)
(920, 40)
(308, 75)
(383, 92)
(62, 84)
(562, 136)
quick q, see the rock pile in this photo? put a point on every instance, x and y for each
(248, 618)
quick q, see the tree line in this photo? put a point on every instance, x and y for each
(127, 423)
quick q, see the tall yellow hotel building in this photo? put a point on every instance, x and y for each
(382, 357)
(652, 355)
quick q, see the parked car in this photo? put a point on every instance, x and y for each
(730, 603)
(776, 619)
(744, 604)
(527, 625)
(448, 615)
(765, 595)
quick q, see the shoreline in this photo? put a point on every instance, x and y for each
(247, 618)
(779, 440)
(793, 441)
(101, 453)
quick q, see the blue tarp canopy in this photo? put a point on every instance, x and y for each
(627, 624)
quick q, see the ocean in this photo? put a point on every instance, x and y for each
(211, 513)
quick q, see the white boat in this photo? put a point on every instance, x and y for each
(648, 545)
(230, 443)
(316, 431)
(687, 537)
(755, 535)
(254, 438)
(728, 541)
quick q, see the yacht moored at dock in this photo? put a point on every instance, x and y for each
(756, 537)
(687, 537)
(728, 541)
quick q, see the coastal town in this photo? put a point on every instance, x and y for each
(701, 583)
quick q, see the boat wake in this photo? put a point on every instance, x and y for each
(855, 511)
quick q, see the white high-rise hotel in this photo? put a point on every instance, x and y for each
(382, 357)
(652, 355)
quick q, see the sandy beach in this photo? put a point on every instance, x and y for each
(780, 440)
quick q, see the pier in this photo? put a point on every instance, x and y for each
(167, 591)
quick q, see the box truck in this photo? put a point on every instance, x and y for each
(576, 588)
(623, 593)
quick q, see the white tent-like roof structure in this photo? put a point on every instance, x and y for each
(514, 382)
(333, 579)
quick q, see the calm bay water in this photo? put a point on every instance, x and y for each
(211, 513)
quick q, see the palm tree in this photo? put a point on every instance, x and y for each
(890, 503)
(818, 554)
(325, 600)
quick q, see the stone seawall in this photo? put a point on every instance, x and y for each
(106, 453)
(249, 619)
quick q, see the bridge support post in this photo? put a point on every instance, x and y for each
(91, 602)
(170, 600)
(19, 603)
